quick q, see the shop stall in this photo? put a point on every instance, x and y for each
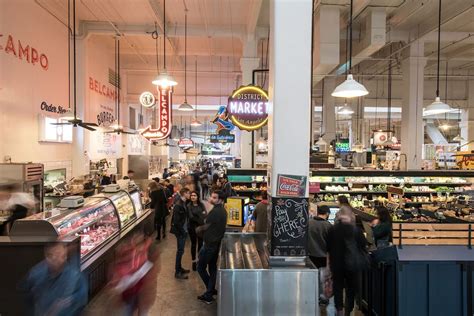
(98, 227)
(248, 182)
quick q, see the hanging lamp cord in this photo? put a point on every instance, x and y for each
(164, 34)
(350, 38)
(74, 53)
(196, 90)
(185, 54)
(439, 47)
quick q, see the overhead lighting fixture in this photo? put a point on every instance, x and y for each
(458, 139)
(68, 115)
(445, 126)
(345, 110)
(185, 106)
(350, 88)
(437, 107)
(163, 79)
(195, 121)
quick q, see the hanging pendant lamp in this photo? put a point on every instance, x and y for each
(195, 121)
(164, 79)
(350, 88)
(437, 107)
(185, 106)
(345, 110)
(389, 141)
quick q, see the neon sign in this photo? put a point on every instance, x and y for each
(164, 118)
(248, 107)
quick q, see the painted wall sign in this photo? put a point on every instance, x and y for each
(106, 117)
(107, 91)
(289, 226)
(24, 52)
(185, 143)
(164, 116)
(290, 185)
(147, 99)
(248, 107)
(52, 108)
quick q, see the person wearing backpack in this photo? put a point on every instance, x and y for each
(348, 257)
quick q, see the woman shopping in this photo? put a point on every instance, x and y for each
(197, 214)
(159, 204)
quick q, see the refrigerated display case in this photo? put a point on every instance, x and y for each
(124, 205)
(137, 202)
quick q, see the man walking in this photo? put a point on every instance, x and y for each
(179, 227)
(214, 230)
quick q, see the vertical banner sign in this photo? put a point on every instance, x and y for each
(289, 229)
(164, 119)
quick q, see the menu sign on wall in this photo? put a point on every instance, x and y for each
(248, 107)
(105, 145)
(106, 117)
(290, 185)
(289, 226)
(52, 108)
(164, 117)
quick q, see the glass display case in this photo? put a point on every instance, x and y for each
(94, 223)
(123, 203)
(137, 202)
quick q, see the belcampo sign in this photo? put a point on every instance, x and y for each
(248, 107)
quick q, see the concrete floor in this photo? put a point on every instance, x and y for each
(174, 297)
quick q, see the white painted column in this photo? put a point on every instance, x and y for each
(289, 120)
(412, 135)
(247, 64)
(329, 113)
(467, 118)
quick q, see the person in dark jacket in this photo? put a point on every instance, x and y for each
(213, 230)
(226, 186)
(197, 215)
(159, 204)
(169, 188)
(341, 236)
(260, 214)
(382, 227)
(318, 231)
(179, 227)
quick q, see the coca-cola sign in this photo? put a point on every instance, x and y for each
(248, 107)
(289, 185)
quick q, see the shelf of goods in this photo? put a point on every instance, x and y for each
(248, 182)
(426, 196)
(92, 232)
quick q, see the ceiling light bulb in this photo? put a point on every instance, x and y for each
(445, 126)
(437, 107)
(349, 89)
(164, 80)
(345, 110)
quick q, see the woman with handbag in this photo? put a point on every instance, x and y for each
(348, 258)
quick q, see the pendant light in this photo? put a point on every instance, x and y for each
(164, 79)
(195, 121)
(345, 110)
(185, 106)
(389, 141)
(445, 126)
(350, 88)
(437, 107)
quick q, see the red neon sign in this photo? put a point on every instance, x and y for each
(164, 118)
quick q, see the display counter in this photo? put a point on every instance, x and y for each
(98, 227)
(252, 283)
(248, 182)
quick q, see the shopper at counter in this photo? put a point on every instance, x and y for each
(346, 247)
(179, 227)
(260, 214)
(55, 286)
(166, 174)
(197, 215)
(16, 203)
(213, 231)
(318, 230)
(159, 204)
(382, 227)
(226, 186)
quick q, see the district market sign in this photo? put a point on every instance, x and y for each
(248, 107)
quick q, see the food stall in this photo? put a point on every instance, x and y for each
(98, 226)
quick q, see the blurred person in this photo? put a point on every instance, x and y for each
(166, 174)
(17, 203)
(197, 214)
(342, 200)
(346, 246)
(189, 183)
(55, 286)
(318, 230)
(215, 185)
(159, 204)
(382, 227)
(169, 188)
(226, 186)
(179, 227)
(105, 180)
(131, 174)
(133, 271)
(204, 188)
(213, 231)
(260, 214)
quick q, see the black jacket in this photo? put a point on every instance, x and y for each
(338, 236)
(318, 232)
(179, 219)
(158, 203)
(197, 214)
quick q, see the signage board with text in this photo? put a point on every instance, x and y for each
(248, 107)
(291, 185)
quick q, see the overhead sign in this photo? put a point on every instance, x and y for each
(185, 143)
(147, 99)
(343, 145)
(224, 127)
(248, 107)
(222, 139)
(52, 108)
(164, 116)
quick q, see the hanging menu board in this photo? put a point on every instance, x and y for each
(289, 226)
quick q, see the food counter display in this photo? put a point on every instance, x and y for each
(413, 196)
(248, 182)
(124, 204)
(137, 202)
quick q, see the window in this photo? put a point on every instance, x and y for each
(54, 133)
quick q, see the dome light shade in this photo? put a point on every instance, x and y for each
(349, 89)
(437, 107)
(164, 80)
(185, 106)
(345, 110)
(195, 122)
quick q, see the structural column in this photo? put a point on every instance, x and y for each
(329, 112)
(467, 120)
(247, 64)
(412, 136)
(289, 124)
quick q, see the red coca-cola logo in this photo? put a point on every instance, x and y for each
(289, 187)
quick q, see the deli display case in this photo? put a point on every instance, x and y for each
(124, 205)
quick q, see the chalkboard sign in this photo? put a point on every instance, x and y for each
(289, 226)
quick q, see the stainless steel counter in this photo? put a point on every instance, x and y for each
(252, 283)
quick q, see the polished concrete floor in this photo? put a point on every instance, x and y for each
(174, 297)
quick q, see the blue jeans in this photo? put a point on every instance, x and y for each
(181, 242)
(208, 260)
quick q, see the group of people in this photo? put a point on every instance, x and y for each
(340, 250)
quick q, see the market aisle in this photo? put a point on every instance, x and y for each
(174, 297)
